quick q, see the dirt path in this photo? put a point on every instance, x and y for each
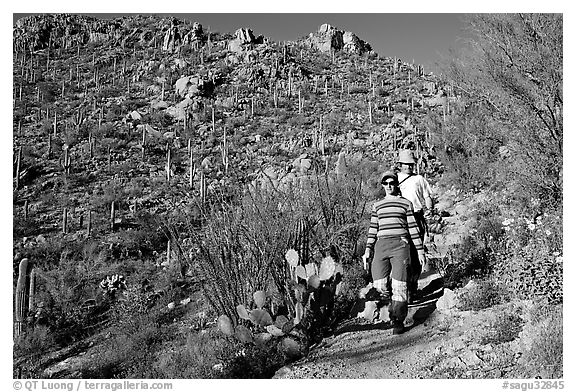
(441, 342)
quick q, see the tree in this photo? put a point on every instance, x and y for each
(509, 83)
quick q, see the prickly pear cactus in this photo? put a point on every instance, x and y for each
(113, 284)
(312, 288)
(264, 329)
(225, 325)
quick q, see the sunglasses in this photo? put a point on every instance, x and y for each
(389, 183)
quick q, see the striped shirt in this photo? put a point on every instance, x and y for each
(393, 218)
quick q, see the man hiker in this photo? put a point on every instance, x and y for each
(415, 188)
(392, 230)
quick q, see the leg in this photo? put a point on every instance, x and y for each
(381, 268)
(413, 273)
(400, 262)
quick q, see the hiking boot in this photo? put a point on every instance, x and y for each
(398, 328)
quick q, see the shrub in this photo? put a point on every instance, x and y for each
(532, 266)
(136, 334)
(29, 348)
(254, 362)
(504, 328)
(544, 355)
(466, 260)
(481, 295)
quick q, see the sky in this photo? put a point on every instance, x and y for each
(422, 38)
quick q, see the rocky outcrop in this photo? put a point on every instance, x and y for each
(194, 36)
(329, 38)
(172, 39)
(191, 86)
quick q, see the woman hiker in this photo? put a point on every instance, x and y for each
(392, 230)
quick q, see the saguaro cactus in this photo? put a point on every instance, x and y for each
(18, 163)
(89, 227)
(21, 300)
(191, 173)
(32, 292)
(202, 186)
(112, 215)
(65, 220)
(66, 162)
(370, 111)
(168, 163)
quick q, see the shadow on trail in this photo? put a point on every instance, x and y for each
(419, 310)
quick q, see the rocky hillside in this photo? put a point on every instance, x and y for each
(121, 124)
(129, 109)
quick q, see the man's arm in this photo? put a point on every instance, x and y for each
(427, 192)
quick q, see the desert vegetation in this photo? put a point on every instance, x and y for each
(194, 204)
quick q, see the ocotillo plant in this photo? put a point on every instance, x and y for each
(21, 300)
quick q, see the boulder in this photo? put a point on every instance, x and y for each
(341, 166)
(197, 32)
(134, 115)
(448, 301)
(353, 44)
(189, 86)
(283, 372)
(180, 110)
(159, 105)
(244, 36)
(437, 100)
(172, 39)
(430, 88)
(444, 204)
(461, 209)
(329, 38)
(150, 132)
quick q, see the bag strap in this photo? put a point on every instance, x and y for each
(409, 175)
